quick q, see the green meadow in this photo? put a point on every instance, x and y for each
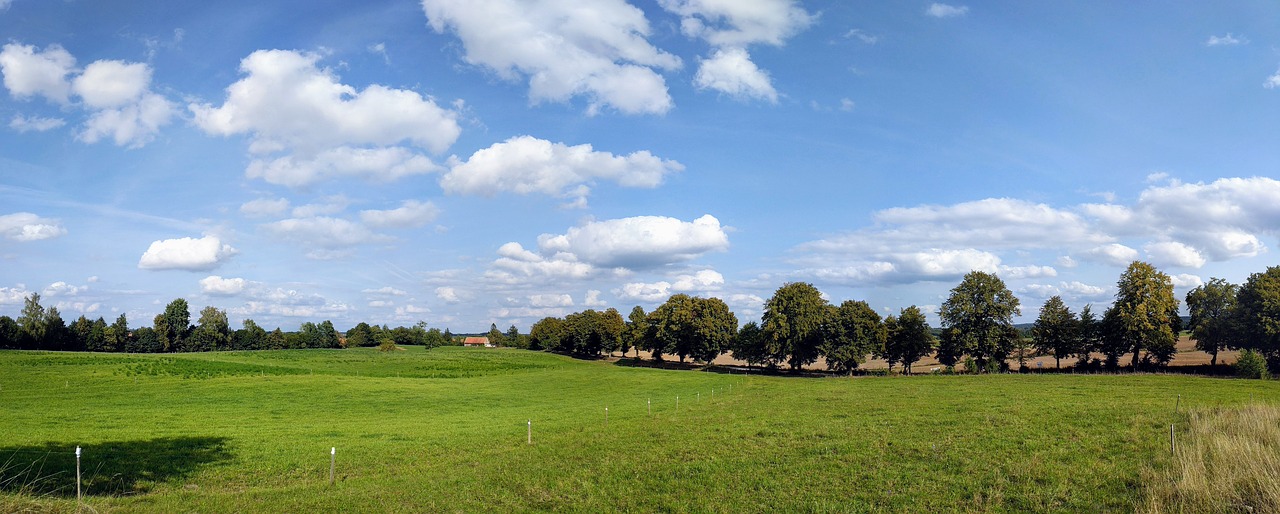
(447, 429)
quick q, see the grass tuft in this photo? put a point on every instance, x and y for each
(1227, 461)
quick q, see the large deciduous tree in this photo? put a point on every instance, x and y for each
(977, 320)
(792, 324)
(546, 334)
(1258, 304)
(1057, 330)
(212, 331)
(1213, 317)
(909, 338)
(851, 332)
(634, 333)
(748, 346)
(1146, 311)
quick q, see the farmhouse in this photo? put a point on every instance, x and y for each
(477, 342)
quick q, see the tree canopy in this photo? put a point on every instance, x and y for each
(977, 320)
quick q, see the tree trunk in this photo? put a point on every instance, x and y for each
(1059, 361)
(1214, 361)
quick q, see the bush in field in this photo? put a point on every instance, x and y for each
(387, 344)
(1251, 364)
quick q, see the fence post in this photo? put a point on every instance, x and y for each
(1176, 403)
(1172, 446)
(77, 478)
(530, 433)
(333, 461)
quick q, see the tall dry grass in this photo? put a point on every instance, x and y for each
(1227, 460)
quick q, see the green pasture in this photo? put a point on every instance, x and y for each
(446, 430)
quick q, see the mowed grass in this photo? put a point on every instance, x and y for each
(445, 430)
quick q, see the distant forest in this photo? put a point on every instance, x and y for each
(798, 326)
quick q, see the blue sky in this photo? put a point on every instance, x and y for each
(468, 162)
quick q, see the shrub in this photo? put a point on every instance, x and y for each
(1251, 365)
(386, 344)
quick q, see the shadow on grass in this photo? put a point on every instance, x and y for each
(109, 468)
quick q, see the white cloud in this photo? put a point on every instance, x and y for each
(638, 242)
(1273, 81)
(323, 232)
(25, 226)
(186, 253)
(702, 281)
(593, 299)
(1021, 272)
(386, 290)
(731, 71)
(846, 105)
(1067, 261)
(1227, 40)
(566, 49)
(23, 124)
(328, 205)
(80, 307)
(116, 93)
(411, 213)
(381, 303)
(938, 10)
(1114, 254)
(216, 285)
(1221, 218)
(14, 295)
(1186, 280)
(448, 294)
(740, 23)
(515, 264)
(526, 165)
(326, 129)
(730, 27)
(1075, 290)
(63, 289)
(384, 164)
(1172, 253)
(108, 84)
(132, 125)
(264, 207)
(862, 35)
(550, 300)
(1081, 289)
(28, 72)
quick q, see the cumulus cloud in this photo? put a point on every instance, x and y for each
(61, 288)
(216, 285)
(1172, 253)
(333, 204)
(1114, 254)
(700, 282)
(411, 213)
(448, 294)
(13, 295)
(731, 71)
(1021, 272)
(25, 226)
(288, 105)
(526, 165)
(29, 72)
(1273, 81)
(186, 253)
(550, 300)
(1221, 218)
(1074, 290)
(286, 302)
(1186, 280)
(24, 124)
(264, 207)
(592, 299)
(117, 93)
(639, 242)
(730, 27)
(597, 51)
(938, 10)
(132, 125)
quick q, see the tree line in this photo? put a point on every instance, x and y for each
(798, 326)
(41, 328)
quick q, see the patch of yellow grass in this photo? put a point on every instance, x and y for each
(1227, 460)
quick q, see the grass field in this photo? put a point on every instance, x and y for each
(445, 430)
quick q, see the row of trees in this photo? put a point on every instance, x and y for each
(797, 328)
(40, 328)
